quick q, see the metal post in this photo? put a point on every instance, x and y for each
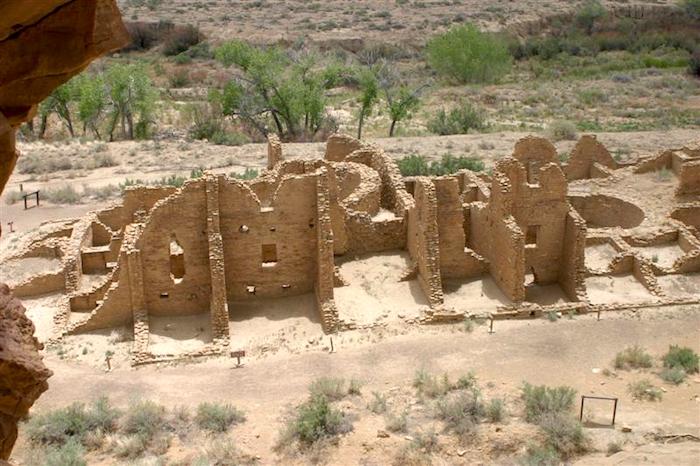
(37, 198)
(614, 412)
(598, 315)
(25, 201)
(580, 417)
(491, 325)
(332, 349)
(10, 225)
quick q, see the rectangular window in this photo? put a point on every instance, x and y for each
(269, 254)
(531, 236)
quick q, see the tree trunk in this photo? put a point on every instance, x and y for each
(130, 124)
(359, 126)
(42, 126)
(70, 126)
(393, 127)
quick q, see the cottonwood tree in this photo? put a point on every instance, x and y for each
(58, 102)
(132, 100)
(369, 93)
(92, 102)
(278, 90)
(401, 99)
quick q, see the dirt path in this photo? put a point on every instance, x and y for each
(565, 352)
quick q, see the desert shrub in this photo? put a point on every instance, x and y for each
(181, 38)
(12, 197)
(459, 120)
(465, 54)
(410, 455)
(216, 417)
(332, 388)
(564, 434)
(429, 385)
(248, 174)
(694, 63)
(561, 130)
(228, 138)
(60, 426)
(144, 419)
(315, 419)
(542, 400)
(682, 358)
(130, 446)
(179, 78)
(102, 160)
(644, 390)
(589, 13)
(220, 451)
(396, 422)
(461, 412)
(449, 164)
(674, 375)
(39, 164)
(633, 357)
(414, 165)
(378, 404)
(69, 454)
(691, 7)
(496, 410)
(354, 387)
(540, 455)
(613, 447)
(466, 382)
(65, 194)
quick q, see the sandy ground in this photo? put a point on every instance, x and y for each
(599, 256)
(680, 285)
(17, 270)
(477, 296)
(573, 351)
(617, 289)
(663, 255)
(375, 291)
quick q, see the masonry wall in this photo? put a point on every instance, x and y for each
(423, 242)
(689, 178)
(572, 263)
(454, 261)
(288, 226)
(181, 217)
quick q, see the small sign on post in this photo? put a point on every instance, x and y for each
(238, 355)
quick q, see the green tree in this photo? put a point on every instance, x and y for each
(59, 103)
(369, 93)
(92, 101)
(401, 99)
(274, 88)
(467, 55)
(132, 98)
(591, 12)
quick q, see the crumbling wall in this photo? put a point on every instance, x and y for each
(274, 151)
(586, 154)
(180, 218)
(572, 270)
(455, 262)
(340, 146)
(325, 263)
(689, 178)
(423, 242)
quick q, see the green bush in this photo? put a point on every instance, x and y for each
(591, 12)
(180, 39)
(70, 454)
(216, 417)
(467, 55)
(674, 375)
(396, 422)
(542, 400)
(144, 419)
(316, 419)
(682, 358)
(634, 357)
(414, 165)
(564, 435)
(332, 388)
(74, 422)
(248, 174)
(459, 120)
(496, 410)
(461, 412)
(691, 7)
(644, 390)
(694, 64)
(541, 455)
(429, 385)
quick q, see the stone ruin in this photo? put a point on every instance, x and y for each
(32, 66)
(548, 236)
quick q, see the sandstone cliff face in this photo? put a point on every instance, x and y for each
(43, 43)
(22, 373)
